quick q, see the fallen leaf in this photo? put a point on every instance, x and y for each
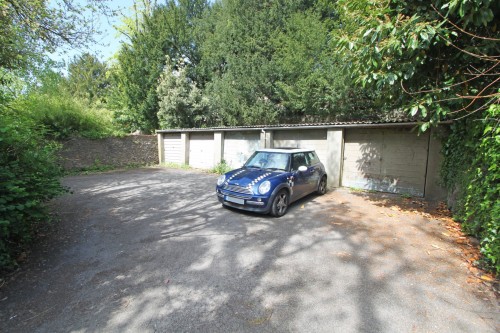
(486, 278)
(336, 223)
(343, 254)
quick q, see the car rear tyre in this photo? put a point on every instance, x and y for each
(322, 186)
(280, 203)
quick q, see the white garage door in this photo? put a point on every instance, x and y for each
(310, 139)
(172, 148)
(238, 146)
(388, 160)
(201, 150)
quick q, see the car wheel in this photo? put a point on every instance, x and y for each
(280, 203)
(322, 186)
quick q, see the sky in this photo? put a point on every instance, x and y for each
(108, 40)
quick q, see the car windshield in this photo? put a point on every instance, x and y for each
(268, 160)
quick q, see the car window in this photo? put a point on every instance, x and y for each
(298, 160)
(268, 160)
(277, 161)
(312, 157)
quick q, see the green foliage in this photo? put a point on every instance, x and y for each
(471, 172)
(29, 177)
(245, 63)
(237, 52)
(99, 167)
(221, 168)
(29, 28)
(162, 30)
(64, 116)
(173, 165)
(87, 79)
(420, 56)
(180, 100)
(47, 101)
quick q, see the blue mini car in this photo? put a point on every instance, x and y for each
(271, 179)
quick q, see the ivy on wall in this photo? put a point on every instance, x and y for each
(471, 174)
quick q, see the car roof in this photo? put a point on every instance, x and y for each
(285, 150)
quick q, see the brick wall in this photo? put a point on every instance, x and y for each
(81, 153)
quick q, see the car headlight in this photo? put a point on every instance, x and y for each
(264, 187)
(221, 180)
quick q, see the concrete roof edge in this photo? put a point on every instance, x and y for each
(297, 126)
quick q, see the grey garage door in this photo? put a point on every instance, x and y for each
(388, 160)
(201, 150)
(238, 146)
(310, 139)
(172, 148)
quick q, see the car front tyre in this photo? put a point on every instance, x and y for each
(280, 203)
(322, 186)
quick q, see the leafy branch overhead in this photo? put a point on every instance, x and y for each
(29, 28)
(440, 61)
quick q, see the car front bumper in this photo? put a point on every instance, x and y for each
(252, 204)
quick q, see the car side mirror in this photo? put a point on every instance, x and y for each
(302, 168)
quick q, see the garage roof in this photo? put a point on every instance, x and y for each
(298, 126)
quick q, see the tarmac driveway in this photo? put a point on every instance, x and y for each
(151, 250)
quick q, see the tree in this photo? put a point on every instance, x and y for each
(29, 28)
(181, 103)
(165, 30)
(87, 78)
(437, 61)
(237, 59)
(272, 61)
(310, 82)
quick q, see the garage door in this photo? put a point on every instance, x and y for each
(238, 146)
(388, 160)
(310, 139)
(201, 150)
(172, 148)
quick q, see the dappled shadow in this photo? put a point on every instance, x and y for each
(437, 224)
(153, 250)
(387, 160)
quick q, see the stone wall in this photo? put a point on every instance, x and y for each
(81, 153)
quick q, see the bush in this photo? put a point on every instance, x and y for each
(221, 168)
(65, 116)
(29, 176)
(471, 170)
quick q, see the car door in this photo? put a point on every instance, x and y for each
(301, 179)
(314, 171)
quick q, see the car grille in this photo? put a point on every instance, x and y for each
(238, 189)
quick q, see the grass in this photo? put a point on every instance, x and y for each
(361, 190)
(173, 165)
(221, 168)
(98, 168)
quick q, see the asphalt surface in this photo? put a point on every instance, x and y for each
(152, 250)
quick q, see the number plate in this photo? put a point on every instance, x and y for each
(235, 200)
